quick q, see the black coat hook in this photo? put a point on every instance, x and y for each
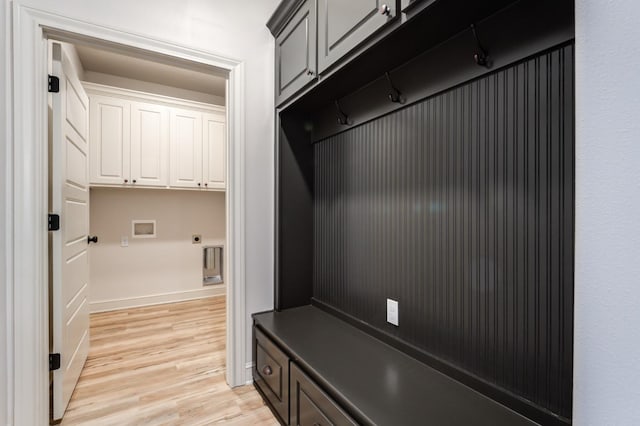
(394, 94)
(481, 56)
(343, 118)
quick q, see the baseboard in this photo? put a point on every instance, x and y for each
(155, 299)
(248, 372)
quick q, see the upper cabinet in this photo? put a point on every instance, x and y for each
(186, 149)
(109, 140)
(149, 144)
(313, 35)
(296, 52)
(343, 25)
(141, 140)
(214, 150)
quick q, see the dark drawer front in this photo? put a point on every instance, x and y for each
(310, 406)
(271, 374)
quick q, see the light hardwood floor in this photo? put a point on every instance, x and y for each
(162, 365)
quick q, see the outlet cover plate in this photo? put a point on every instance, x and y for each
(392, 312)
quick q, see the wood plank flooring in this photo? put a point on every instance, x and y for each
(162, 365)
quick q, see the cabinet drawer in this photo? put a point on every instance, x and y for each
(310, 406)
(271, 373)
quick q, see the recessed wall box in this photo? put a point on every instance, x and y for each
(143, 228)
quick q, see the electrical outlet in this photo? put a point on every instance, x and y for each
(392, 312)
(124, 241)
(196, 239)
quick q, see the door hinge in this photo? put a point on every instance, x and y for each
(54, 362)
(54, 222)
(54, 84)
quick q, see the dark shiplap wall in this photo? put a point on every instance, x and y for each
(461, 208)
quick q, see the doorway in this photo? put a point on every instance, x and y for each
(138, 165)
(31, 30)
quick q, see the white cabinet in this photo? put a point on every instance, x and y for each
(109, 140)
(128, 142)
(213, 150)
(142, 140)
(198, 149)
(186, 149)
(149, 144)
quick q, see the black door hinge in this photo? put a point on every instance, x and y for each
(54, 84)
(54, 362)
(54, 222)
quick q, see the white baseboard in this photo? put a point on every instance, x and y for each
(248, 373)
(155, 299)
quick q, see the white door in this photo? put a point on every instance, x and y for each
(70, 257)
(214, 144)
(186, 149)
(110, 140)
(149, 144)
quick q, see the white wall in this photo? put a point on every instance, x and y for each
(167, 268)
(607, 291)
(158, 89)
(228, 28)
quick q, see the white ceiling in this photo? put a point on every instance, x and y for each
(108, 62)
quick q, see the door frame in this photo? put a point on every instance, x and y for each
(27, 256)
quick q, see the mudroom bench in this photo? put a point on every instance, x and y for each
(313, 368)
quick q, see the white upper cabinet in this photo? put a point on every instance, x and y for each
(214, 155)
(109, 140)
(149, 144)
(186, 149)
(149, 141)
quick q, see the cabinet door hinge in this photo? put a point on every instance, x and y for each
(54, 222)
(54, 84)
(54, 362)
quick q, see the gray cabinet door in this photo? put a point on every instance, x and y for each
(343, 25)
(296, 52)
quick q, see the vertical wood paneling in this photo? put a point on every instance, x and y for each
(461, 207)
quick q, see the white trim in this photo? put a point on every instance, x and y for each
(248, 372)
(235, 213)
(156, 299)
(27, 182)
(6, 229)
(136, 95)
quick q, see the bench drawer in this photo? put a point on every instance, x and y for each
(310, 406)
(271, 373)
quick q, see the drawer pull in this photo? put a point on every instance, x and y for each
(266, 370)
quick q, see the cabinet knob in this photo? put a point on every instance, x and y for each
(309, 72)
(206, 184)
(198, 183)
(92, 239)
(266, 370)
(134, 181)
(126, 181)
(385, 10)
